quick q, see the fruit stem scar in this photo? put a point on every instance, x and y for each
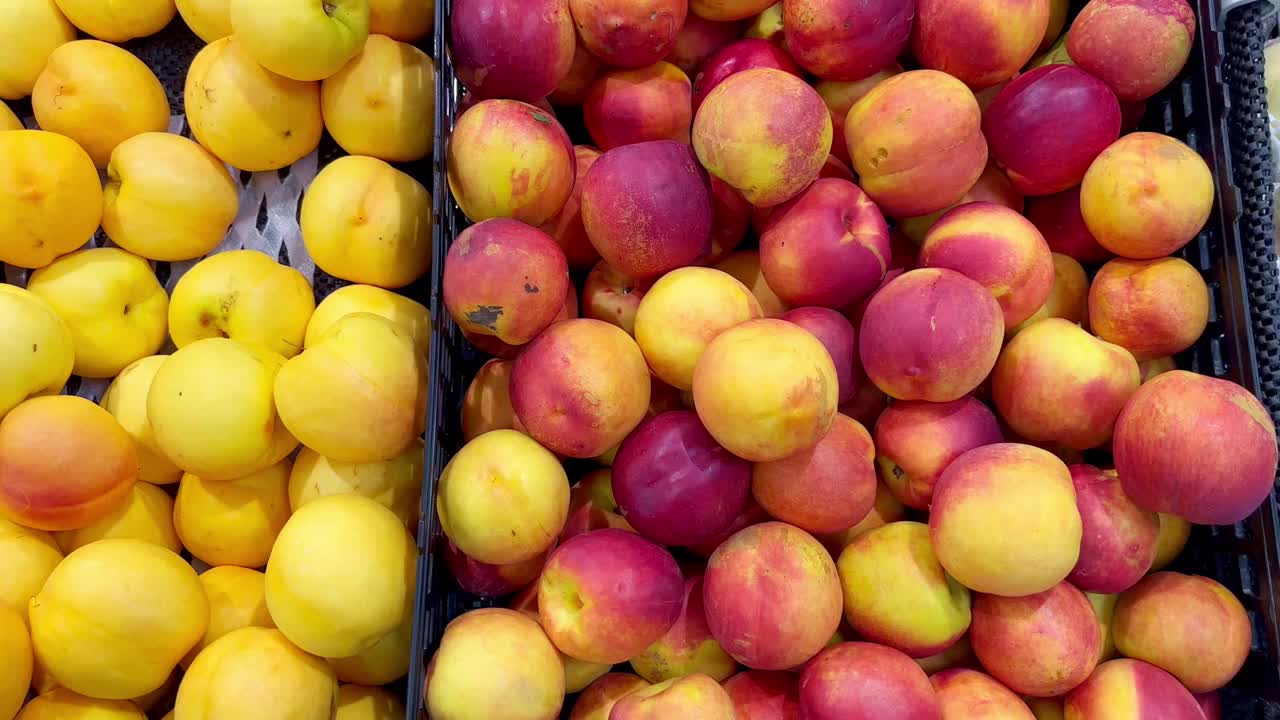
(329, 8)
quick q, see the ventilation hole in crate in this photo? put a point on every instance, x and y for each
(1188, 102)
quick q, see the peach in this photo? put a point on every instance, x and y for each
(745, 54)
(624, 107)
(1149, 307)
(629, 34)
(698, 40)
(592, 516)
(1172, 538)
(958, 655)
(682, 313)
(597, 701)
(977, 42)
(688, 647)
(695, 697)
(495, 663)
(487, 404)
(998, 248)
(987, 505)
(1059, 220)
(521, 52)
(965, 693)
(1146, 195)
(930, 334)
(837, 335)
(731, 218)
(1048, 125)
(828, 246)
(765, 132)
(916, 142)
(647, 208)
(573, 87)
(767, 25)
(580, 387)
(752, 515)
(847, 39)
(1156, 366)
(510, 159)
(886, 509)
(897, 594)
(764, 695)
(744, 266)
(606, 595)
(1189, 625)
(916, 441)
(47, 481)
(1104, 609)
(1131, 690)
(1041, 645)
(487, 580)
(1136, 46)
(566, 226)
(993, 186)
(827, 488)
(506, 279)
(1119, 540)
(675, 485)
(1168, 448)
(728, 9)
(1056, 383)
(766, 390)
(840, 97)
(772, 596)
(1068, 299)
(861, 681)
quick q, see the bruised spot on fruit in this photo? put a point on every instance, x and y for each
(485, 316)
(330, 8)
(531, 289)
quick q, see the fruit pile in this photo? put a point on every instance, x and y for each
(246, 431)
(874, 361)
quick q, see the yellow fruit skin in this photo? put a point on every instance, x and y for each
(32, 29)
(237, 599)
(301, 39)
(364, 221)
(382, 103)
(341, 576)
(211, 409)
(256, 674)
(403, 20)
(248, 116)
(209, 19)
(167, 198)
(50, 197)
(37, 354)
(385, 662)
(147, 515)
(411, 315)
(116, 616)
(243, 295)
(63, 704)
(79, 92)
(27, 557)
(119, 21)
(395, 484)
(116, 309)
(9, 121)
(233, 522)
(126, 400)
(358, 702)
(15, 648)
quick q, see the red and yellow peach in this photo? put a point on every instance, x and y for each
(724, 10)
(688, 647)
(861, 681)
(612, 297)
(1135, 46)
(837, 335)
(573, 87)
(731, 218)
(847, 39)
(1173, 537)
(1131, 690)
(1152, 308)
(840, 97)
(980, 42)
(565, 227)
(744, 266)
(625, 107)
(965, 693)
(629, 34)
(1059, 220)
(597, 701)
(695, 697)
(916, 441)
(1119, 540)
(487, 580)
(487, 404)
(764, 695)
(1069, 298)
(740, 56)
(519, 52)
(992, 186)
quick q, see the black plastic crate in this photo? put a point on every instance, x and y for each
(1218, 106)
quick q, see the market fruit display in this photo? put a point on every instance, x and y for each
(872, 407)
(211, 456)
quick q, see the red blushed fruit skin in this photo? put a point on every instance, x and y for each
(731, 219)
(1168, 448)
(600, 696)
(837, 335)
(625, 107)
(1152, 308)
(698, 40)
(491, 345)
(834, 168)
(764, 695)
(1046, 127)
(1131, 690)
(752, 515)
(613, 297)
(746, 54)
(772, 596)
(861, 681)
(647, 208)
(1210, 705)
(828, 246)
(696, 696)
(506, 279)
(605, 596)
(629, 33)
(847, 39)
(688, 646)
(1041, 645)
(565, 227)
(962, 691)
(573, 88)
(826, 489)
(1058, 218)
(488, 580)
(1119, 540)
(1136, 46)
(675, 485)
(588, 517)
(980, 44)
(916, 441)
(930, 334)
(519, 51)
